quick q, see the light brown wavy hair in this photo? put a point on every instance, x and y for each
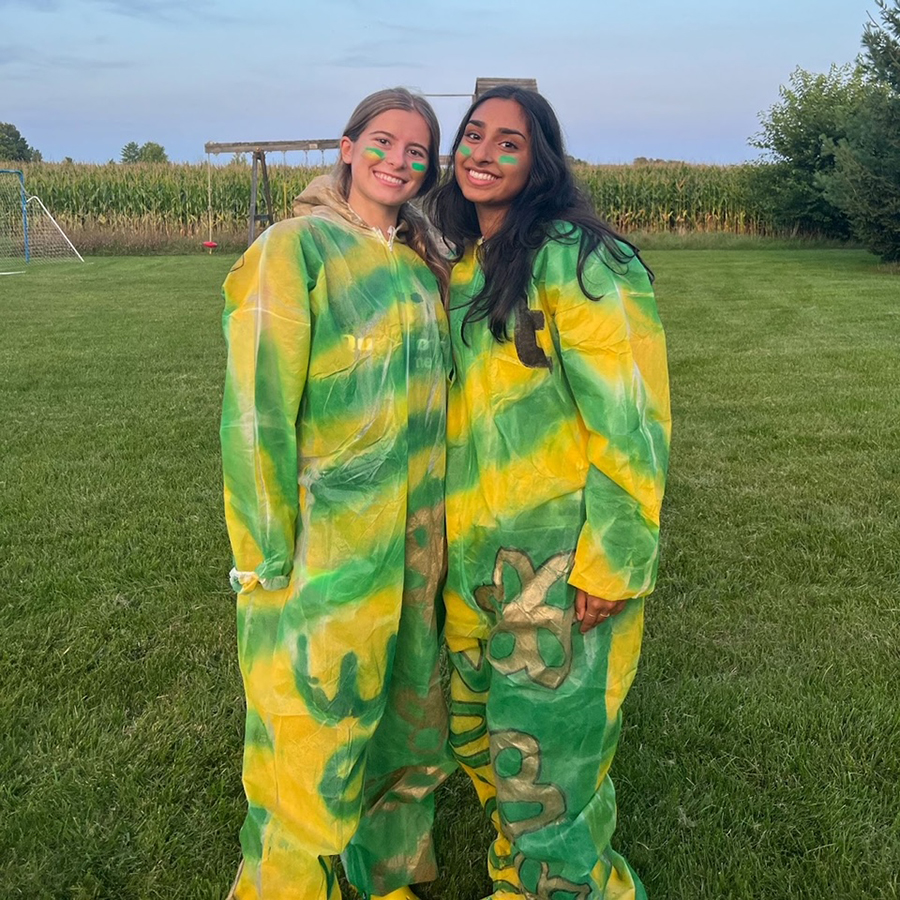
(417, 234)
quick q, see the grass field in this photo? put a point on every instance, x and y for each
(761, 751)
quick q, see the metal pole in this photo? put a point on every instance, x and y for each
(209, 211)
(24, 201)
(267, 192)
(254, 187)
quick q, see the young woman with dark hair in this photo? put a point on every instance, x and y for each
(333, 431)
(558, 430)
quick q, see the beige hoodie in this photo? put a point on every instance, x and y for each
(321, 197)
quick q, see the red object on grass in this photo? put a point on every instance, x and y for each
(210, 244)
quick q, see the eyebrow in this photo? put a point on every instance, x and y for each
(478, 124)
(393, 138)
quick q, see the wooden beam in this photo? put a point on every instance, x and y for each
(485, 84)
(271, 146)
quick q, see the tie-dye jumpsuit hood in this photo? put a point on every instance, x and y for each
(333, 433)
(557, 452)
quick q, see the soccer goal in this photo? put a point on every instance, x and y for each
(29, 235)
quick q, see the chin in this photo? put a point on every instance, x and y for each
(467, 192)
(389, 198)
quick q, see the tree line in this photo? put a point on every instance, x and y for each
(832, 145)
(14, 148)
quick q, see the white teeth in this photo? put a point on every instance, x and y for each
(390, 179)
(482, 176)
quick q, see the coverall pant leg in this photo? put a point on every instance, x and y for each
(539, 752)
(408, 755)
(342, 752)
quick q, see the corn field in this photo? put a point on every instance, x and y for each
(677, 197)
(157, 207)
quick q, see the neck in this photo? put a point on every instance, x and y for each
(490, 219)
(384, 218)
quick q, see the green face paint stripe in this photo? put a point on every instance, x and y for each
(419, 167)
(509, 160)
(374, 151)
(464, 149)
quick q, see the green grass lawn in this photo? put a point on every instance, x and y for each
(761, 751)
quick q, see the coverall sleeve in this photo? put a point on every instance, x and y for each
(267, 330)
(613, 356)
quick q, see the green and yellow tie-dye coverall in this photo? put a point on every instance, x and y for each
(557, 453)
(333, 433)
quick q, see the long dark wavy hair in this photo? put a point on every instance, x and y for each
(550, 196)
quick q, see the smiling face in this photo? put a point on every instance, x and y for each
(388, 163)
(493, 159)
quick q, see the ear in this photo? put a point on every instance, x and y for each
(346, 149)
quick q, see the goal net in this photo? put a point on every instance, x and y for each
(29, 235)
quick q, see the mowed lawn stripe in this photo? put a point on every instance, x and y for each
(760, 754)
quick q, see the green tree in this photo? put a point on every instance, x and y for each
(153, 153)
(882, 45)
(13, 147)
(150, 152)
(865, 182)
(799, 134)
(131, 153)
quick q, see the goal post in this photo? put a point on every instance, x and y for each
(46, 240)
(14, 248)
(28, 232)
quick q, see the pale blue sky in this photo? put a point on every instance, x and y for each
(682, 80)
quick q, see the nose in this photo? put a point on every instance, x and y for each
(396, 156)
(481, 153)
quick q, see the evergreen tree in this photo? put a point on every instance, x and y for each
(865, 183)
(150, 152)
(13, 147)
(131, 153)
(882, 43)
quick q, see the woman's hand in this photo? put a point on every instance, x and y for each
(592, 611)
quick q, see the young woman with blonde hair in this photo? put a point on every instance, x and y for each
(333, 433)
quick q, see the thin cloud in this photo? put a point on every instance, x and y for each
(9, 55)
(419, 31)
(377, 54)
(158, 9)
(32, 5)
(364, 61)
(29, 58)
(162, 10)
